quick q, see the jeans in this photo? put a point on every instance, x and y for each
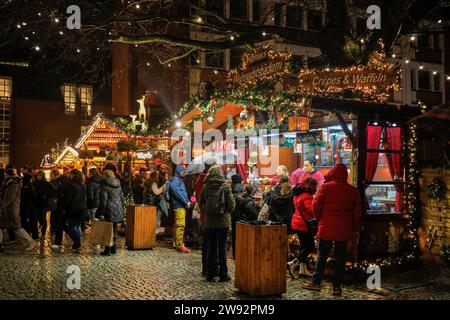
(306, 245)
(322, 255)
(158, 218)
(217, 251)
(72, 227)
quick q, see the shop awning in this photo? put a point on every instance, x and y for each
(220, 117)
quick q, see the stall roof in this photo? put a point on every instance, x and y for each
(371, 109)
(220, 117)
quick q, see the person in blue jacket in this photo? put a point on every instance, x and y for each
(180, 202)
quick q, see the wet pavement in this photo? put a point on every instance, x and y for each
(161, 273)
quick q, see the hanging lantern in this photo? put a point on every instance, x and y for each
(302, 123)
(244, 114)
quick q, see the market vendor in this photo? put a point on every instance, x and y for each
(281, 171)
(310, 171)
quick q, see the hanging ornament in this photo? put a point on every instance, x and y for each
(210, 120)
(244, 114)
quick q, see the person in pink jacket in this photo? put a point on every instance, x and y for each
(310, 171)
(337, 207)
(303, 202)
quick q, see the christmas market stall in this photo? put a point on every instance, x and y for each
(129, 141)
(328, 116)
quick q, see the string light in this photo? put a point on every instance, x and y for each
(56, 20)
(61, 33)
(138, 6)
(420, 67)
(406, 61)
(216, 72)
(148, 64)
(264, 34)
(37, 48)
(24, 23)
(199, 19)
(231, 38)
(439, 21)
(412, 38)
(393, 55)
(26, 38)
(78, 50)
(19, 26)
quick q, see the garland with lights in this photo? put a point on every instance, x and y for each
(359, 92)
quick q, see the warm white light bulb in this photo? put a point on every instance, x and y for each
(138, 6)
(37, 48)
(420, 67)
(412, 38)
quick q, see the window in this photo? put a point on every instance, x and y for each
(215, 6)
(277, 13)
(384, 183)
(437, 82)
(85, 94)
(334, 148)
(238, 9)
(314, 20)
(215, 60)
(256, 10)
(294, 17)
(423, 41)
(69, 92)
(5, 117)
(5, 88)
(424, 80)
(413, 79)
(436, 41)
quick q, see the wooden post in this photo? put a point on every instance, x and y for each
(261, 253)
(141, 227)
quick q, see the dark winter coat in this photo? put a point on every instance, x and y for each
(43, 192)
(74, 199)
(245, 208)
(28, 197)
(281, 206)
(94, 187)
(10, 206)
(215, 179)
(111, 200)
(337, 206)
(177, 190)
(303, 204)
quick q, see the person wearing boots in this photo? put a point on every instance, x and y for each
(111, 206)
(337, 207)
(94, 185)
(75, 209)
(303, 202)
(179, 202)
(10, 211)
(217, 201)
(42, 187)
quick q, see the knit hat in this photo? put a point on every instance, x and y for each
(235, 178)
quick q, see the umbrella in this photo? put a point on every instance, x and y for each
(197, 165)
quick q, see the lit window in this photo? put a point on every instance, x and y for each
(5, 116)
(69, 92)
(85, 94)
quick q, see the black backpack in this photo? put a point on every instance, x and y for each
(215, 201)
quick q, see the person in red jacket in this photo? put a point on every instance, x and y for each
(303, 202)
(337, 207)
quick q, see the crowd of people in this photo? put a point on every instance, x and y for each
(72, 199)
(310, 205)
(304, 201)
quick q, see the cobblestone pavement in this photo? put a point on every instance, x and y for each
(162, 273)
